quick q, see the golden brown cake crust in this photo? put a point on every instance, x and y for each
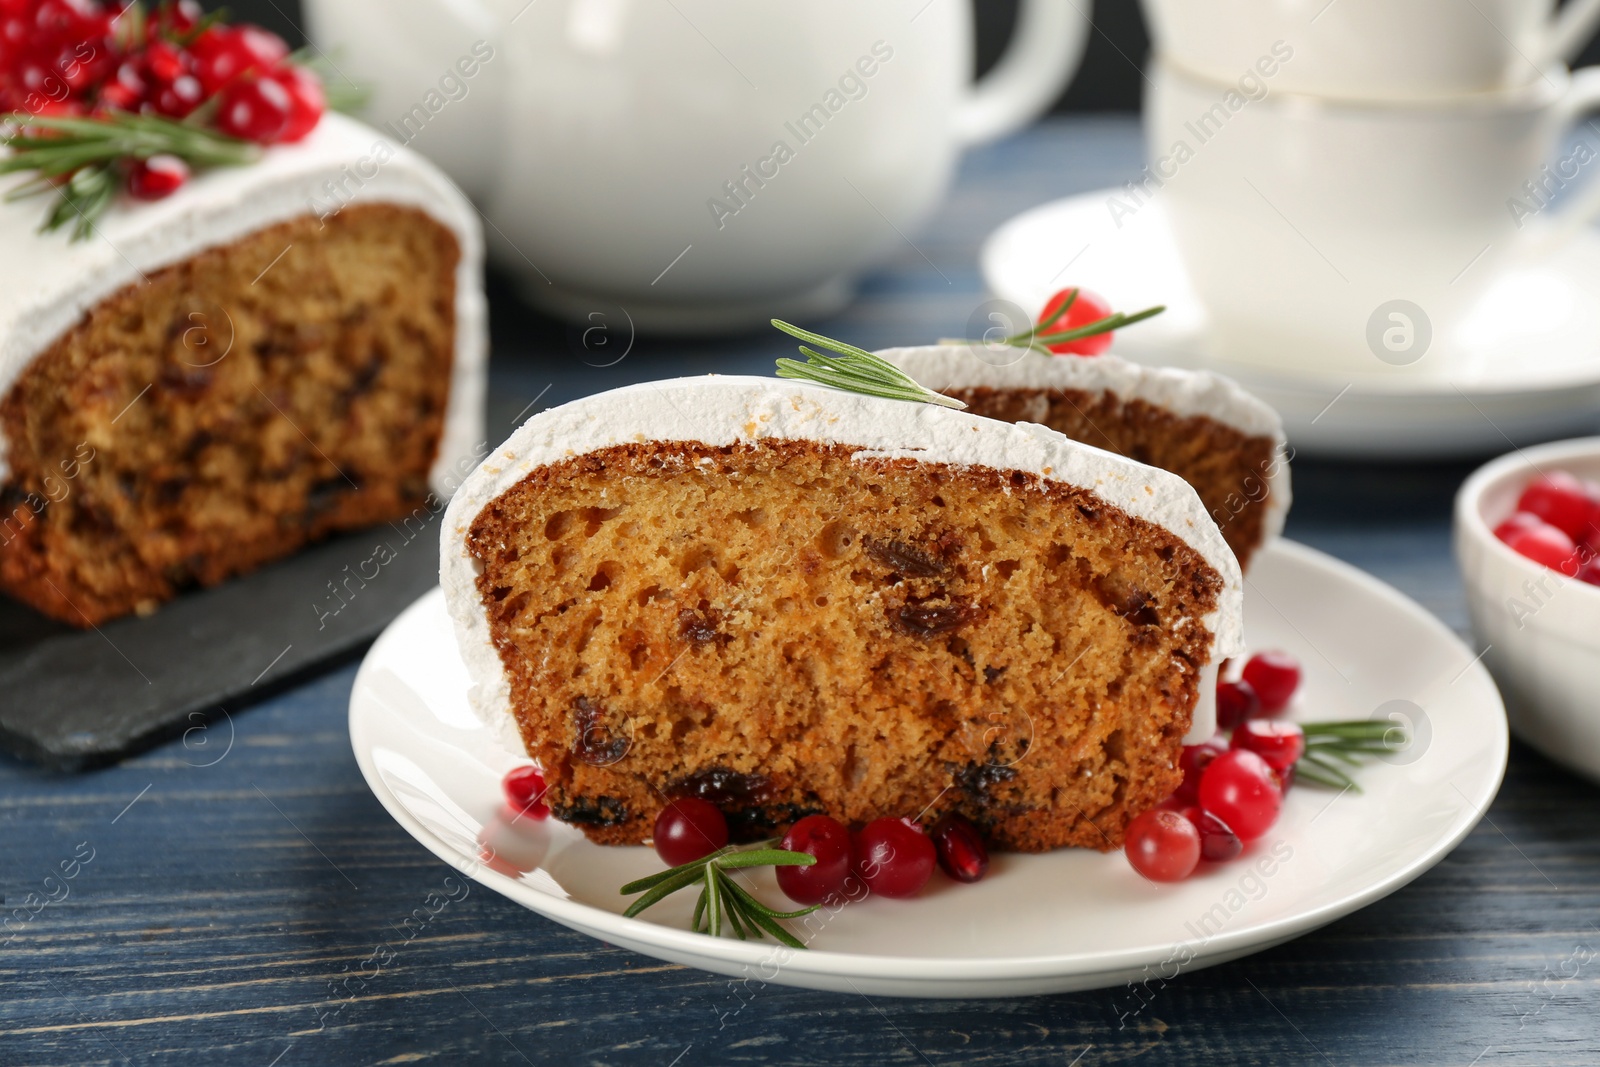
(228, 411)
(1227, 467)
(783, 629)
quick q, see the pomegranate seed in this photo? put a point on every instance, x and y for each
(689, 829)
(254, 110)
(829, 841)
(157, 177)
(306, 100)
(962, 853)
(1274, 676)
(1239, 788)
(1162, 845)
(1236, 702)
(893, 857)
(1193, 762)
(1085, 309)
(1279, 743)
(1559, 499)
(1546, 545)
(524, 788)
(1218, 844)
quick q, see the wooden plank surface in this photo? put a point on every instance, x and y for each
(227, 888)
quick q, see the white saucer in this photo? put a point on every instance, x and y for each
(1065, 920)
(1530, 371)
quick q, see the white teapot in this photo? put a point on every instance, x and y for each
(703, 164)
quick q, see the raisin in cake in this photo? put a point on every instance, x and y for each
(214, 380)
(788, 599)
(1219, 438)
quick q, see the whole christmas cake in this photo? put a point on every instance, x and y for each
(268, 331)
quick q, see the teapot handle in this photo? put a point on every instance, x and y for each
(1045, 50)
(1574, 26)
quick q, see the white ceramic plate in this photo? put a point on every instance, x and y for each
(1065, 920)
(1528, 367)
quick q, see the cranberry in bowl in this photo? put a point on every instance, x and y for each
(1527, 539)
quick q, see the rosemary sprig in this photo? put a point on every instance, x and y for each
(1033, 339)
(81, 199)
(1332, 747)
(855, 370)
(88, 150)
(722, 901)
(1115, 321)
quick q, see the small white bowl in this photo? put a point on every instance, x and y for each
(1541, 628)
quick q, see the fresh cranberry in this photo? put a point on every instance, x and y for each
(1193, 762)
(1239, 788)
(524, 788)
(1589, 571)
(689, 829)
(893, 857)
(1559, 499)
(1546, 545)
(1279, 743)
(181, 17)
(962, 853)
(829, 841)
(306, 100)
(1086, 308)
(127, 90)
(224, 54)
(1236, 702)
(59, 18)
(254, 110)
(1518, 520)
(1274, 676)
(180, 97)
(1162, 845)
(164, 61)
(157, 177)
(1218, 844)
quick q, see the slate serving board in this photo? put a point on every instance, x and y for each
(75, 699)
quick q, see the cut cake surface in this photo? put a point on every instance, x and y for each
(788, 599)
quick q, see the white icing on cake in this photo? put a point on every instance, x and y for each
(48, 281)
(1185, 393)
(719, 411)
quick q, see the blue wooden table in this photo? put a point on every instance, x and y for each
(213, 901)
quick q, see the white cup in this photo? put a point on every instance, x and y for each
(626, 152)
(1375, 49)
(1307, 225)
